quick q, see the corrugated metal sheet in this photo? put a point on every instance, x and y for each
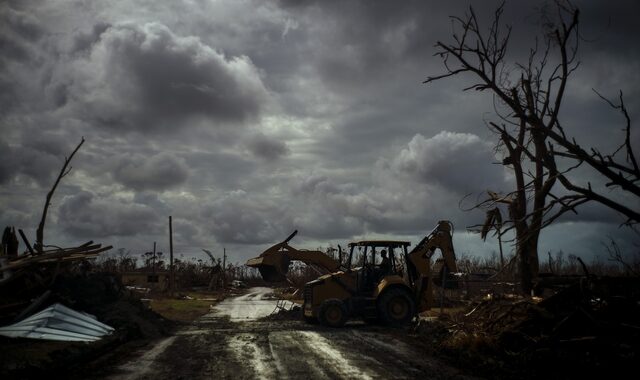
(58, 322)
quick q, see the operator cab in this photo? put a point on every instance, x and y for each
(368, 257)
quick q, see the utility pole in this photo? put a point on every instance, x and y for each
(444, 283)
(153, 269)
(171, 275)
(224, 267)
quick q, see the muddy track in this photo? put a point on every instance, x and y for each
(234, 345)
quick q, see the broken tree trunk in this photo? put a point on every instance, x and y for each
(63, 172)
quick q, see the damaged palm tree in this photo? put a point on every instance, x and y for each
(215, 273)
(493, 220)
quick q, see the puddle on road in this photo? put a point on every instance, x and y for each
(256, 304)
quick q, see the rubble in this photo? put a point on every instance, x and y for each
(51, 256)
(585, 324)
(101, 295)
(29, 276)
(282, 314)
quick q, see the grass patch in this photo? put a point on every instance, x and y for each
(185, 310)
(181, 310)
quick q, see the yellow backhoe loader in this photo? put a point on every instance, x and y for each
(381, 280)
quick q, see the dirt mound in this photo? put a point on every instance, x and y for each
(101, 295)
(104, 296)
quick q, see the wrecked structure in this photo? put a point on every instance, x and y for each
(25, 279)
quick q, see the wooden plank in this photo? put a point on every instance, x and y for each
(53, 256)
(26, 241)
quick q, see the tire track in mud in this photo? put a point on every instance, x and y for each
(221, 346)
(269, 351)
(144, 364)
(246, 349)
(408, 359)
(291, 355)
(325, 350)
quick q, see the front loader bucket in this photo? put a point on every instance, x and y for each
(272, 268)
(271, 274)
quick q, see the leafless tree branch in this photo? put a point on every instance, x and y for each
(39, 246)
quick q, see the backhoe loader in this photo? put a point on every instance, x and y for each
(390, 290)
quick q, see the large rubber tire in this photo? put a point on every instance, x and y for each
(396, 307)
(333, 313)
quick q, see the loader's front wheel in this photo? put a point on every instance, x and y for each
(333, 313)
(396, 307)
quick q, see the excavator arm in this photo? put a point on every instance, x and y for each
(420, 259)
(273, 263)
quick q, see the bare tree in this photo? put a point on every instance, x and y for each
(622, 174)
(616, 255)
(527, 100)
(63, 172)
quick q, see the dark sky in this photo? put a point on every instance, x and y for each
(246, 119)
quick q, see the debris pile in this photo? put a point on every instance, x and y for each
(101, 295)
(56, 255)
(588, 324)
(33, 281)
(29, 276)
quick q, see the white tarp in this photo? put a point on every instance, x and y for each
(58, 322)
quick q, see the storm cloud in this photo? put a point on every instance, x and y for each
(245, 120)
(158, 172)
(85, 214)
(145, 77)
(269, 149)
(457, 161)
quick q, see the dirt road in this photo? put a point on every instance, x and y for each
(233, 343)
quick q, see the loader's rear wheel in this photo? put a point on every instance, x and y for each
(396, 307)
(333, 313)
